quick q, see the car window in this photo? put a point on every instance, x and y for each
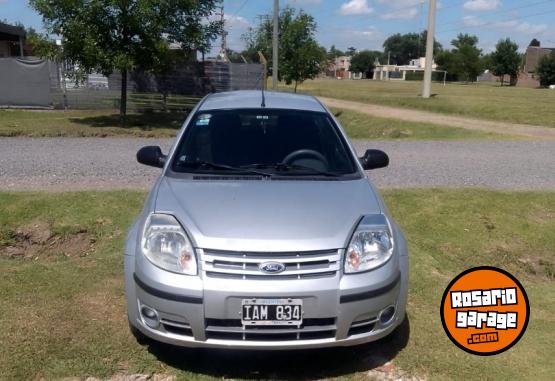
(303, 142)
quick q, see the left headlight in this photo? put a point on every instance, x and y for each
(166, 245)
(371, 245)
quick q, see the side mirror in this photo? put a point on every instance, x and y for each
(374, 159)
(151, 156)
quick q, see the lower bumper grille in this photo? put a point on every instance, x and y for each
(176, 327)
(231, 329)
(363, 326)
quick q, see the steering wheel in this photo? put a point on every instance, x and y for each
(306, 154)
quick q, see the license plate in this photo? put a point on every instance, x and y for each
(272, 312)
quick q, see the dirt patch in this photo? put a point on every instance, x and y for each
(126, 377)
(443, 120)
(538, 267)
(37, 239)
(105, 304)
(389, 372)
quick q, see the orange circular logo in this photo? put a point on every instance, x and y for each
(485, 311)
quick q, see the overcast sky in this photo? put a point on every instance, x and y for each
(365, 24)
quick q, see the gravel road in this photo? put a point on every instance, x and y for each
(57, 164)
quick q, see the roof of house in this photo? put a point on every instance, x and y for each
(12, 30)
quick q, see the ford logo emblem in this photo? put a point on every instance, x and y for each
(272, 267)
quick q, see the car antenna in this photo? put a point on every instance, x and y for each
(263, 105)
(264, 62)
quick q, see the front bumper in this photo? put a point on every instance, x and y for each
(205, 312)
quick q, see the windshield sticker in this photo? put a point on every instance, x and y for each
(203, 120)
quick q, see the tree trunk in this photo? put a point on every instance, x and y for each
(123, 100)
(502, 80)
(296, 84)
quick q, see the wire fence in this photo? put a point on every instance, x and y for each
(179, 89)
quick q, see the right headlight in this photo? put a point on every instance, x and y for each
(371, 245)
(167, 246)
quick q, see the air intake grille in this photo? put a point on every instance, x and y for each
(297, 265)
(229, 329)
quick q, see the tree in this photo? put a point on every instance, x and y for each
(466, 60)
(108, 35)
(401, 48)
(447, 61)
(300, 55)
(546, 70)
(351, 51)
(506, 60)
(334, 53)
(535, 43)
(365, 62)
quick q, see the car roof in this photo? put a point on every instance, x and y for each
(252, 99)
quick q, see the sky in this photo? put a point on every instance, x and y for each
(365, 24)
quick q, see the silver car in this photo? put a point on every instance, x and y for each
(264, 232)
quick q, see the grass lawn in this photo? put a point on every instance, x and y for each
(482, 101)
(363, 126)
(62, 302)
(165, 125)
(84, 123)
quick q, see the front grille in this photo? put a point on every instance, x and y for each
(231, 329)
(298, 265)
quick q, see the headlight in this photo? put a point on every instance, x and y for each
(166, 245)
(371, 245)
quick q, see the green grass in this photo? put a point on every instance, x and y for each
(481, 101)
(62, 312)
(165, 125)
(79, 123)
(362, 126)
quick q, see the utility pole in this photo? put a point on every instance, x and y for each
(427, 85)
(223, 48)
(275, 43)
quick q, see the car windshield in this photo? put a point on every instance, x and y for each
(263, 142)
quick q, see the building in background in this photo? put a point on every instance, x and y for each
(340, 68)
(400, 72)
(533, 56)
(12, 41)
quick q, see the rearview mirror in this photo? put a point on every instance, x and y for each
(374, 159)
(151, 156)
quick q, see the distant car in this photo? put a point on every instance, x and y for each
(263, 232)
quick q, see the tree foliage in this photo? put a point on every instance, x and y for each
(351, 51)
(546, 70)
(402, 48)
(334, 53)
(464, 62)
(300, 55)
(109, 35)
(535, 43)
(365, 62)
(506, 60)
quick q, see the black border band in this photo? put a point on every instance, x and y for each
(370, 294)
(164, 294)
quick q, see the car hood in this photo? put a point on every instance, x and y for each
(272, 215)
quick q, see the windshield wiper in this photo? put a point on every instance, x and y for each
(207, 164)
(288, 167)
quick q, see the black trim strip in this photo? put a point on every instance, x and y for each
(370, 294)
(166, 295)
